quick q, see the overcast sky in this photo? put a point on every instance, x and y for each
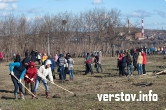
(152, 11)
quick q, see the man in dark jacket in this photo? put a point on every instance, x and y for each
(123, 64)
(129, 64)
(33, 56)
(135, 57)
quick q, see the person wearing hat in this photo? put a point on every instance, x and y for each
(61, 62)
(42, 73)
(18, 69)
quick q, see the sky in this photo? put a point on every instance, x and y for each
(152, 11)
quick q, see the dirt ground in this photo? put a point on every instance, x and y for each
(88, 86)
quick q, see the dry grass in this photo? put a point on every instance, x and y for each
(87, 87)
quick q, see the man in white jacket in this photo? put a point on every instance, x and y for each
(43, 72)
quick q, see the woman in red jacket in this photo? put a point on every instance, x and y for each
(144, 62)
(30, 76)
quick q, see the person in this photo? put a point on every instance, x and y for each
(30, 76)
(119, 66)
(123, 64)
(42, 73)
(117, 53)
(44, 58)
(129, 64)
(18, 69)
(66, 71)
(65, 68)
(36, 53)
(139, 63)
(52, 65)
(135, 57)
(26, 53)
(88, 62)
(149, 51)
(96, 60)
(70, 67)
(39, 58)
(144, 62)
(1, 57)
(99, 62)
(56, 58)
(18, 58)
(61, 62)
(33, 56)
(14, 56)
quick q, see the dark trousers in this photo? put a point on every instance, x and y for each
(135, 65)
(123, 71)
(16, 85)
(88, 69)
(66, 71)
(143, 68)
(120, 70)
(31, 86)
(53, 73)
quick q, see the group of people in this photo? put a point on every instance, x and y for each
(63, 62)
(137, 59)
(148, 51)
(89, 60)
(26, 69)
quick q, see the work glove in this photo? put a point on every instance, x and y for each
(26, 76)
(12, 73)
(32, 79)
(19, 81)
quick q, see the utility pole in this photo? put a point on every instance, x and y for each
(142, 28)
(128, 26)
(89, 43)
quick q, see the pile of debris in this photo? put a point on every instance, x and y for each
(143, 84)
(161, 72)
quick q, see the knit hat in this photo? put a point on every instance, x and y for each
(48, 62)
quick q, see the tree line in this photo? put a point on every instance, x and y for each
(88, 31)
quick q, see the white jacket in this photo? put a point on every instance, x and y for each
(71, 62)
(43, 72)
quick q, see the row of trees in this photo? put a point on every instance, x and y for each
(93, 30)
